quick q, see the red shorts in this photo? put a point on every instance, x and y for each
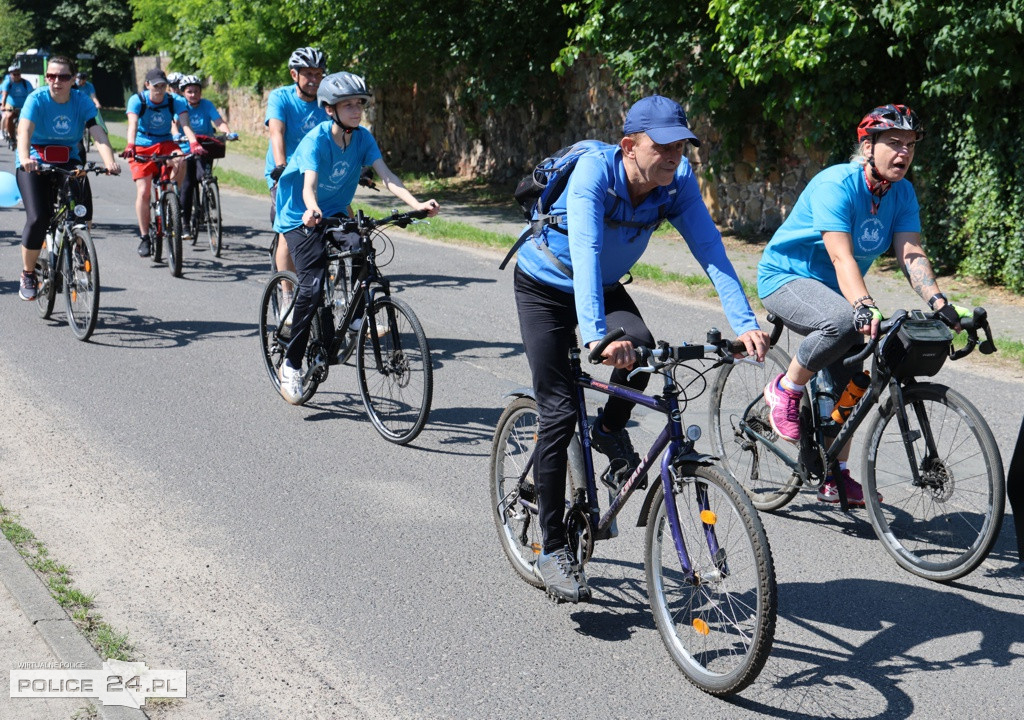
(143, 168)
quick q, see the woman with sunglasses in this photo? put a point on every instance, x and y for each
(52, 123)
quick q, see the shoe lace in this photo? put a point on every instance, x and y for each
(563, 562)
(791, 408)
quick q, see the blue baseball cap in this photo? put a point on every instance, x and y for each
(661, 118)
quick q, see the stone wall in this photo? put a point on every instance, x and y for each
(430, 130)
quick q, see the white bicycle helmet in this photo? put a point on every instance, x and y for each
(185, 80)
(14, 66)
(173, 79)
(338, 86)
(307, 57)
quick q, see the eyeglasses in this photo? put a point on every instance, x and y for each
(54, 77)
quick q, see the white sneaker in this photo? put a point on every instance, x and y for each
(382, 326)
(286, 300)
(291, 383)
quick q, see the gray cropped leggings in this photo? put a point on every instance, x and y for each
(825, 317)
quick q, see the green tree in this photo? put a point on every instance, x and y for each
(15, 32)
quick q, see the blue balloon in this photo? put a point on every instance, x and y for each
(9, 193)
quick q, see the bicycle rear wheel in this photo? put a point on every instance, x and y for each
(276, 303)
(735, 430)
(46, 282)
(81, 280)
(719, 624)
(172, 232)
(211, 208)
(944, 526)
(398, 391)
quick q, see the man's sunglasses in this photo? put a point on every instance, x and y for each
(58, 76)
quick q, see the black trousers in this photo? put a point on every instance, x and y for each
(547, 322)
(307, 248)
(39, 195)
(195, 170)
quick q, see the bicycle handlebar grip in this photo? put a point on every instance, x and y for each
(777, 328)
(608, 339)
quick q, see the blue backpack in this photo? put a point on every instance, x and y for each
(537, 192)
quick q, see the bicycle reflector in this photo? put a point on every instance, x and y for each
(81, 211)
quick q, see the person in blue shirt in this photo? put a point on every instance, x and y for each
(13, 92)
(569, 274)
(150, 117)
(52, 123)
(320, 181)
(205, 120)
(811, 275)
(292, 111)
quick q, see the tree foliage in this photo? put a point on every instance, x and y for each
(70, 27)
(15, 31)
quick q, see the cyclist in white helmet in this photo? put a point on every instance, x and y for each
(292, 111)
(320, 181)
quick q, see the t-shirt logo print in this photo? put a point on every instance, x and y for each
(62, 125)
(872, 237)
(309, 123)
(339, 172)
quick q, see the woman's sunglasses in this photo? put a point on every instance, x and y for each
(58, 76)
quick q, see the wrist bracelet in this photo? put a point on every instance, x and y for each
(859, 301)
(935, 298)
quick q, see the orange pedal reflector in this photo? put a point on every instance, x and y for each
(88, 266)
(701, 626)
(708, 517)
(535, 547)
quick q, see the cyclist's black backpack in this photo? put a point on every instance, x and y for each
(537, 192)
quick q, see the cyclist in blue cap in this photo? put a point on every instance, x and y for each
(570, 275)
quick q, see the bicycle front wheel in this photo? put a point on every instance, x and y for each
(740, 431)
(397, 390)
(211, 208)
(942, 526)
(275, 306)
(718, 621)
(46, 279)
(172, 232)
(81, 280)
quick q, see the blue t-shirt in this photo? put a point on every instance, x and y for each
(56, 123)
(155, 124)
(835, 200)
(202, 116)
(17, 92)
(87, 87)
(337, 173)
(298, 116)
(599, 255)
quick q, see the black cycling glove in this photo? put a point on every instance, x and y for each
(951, 314)
(275, 174)
(863, 315)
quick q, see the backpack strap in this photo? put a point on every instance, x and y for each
(145, 105)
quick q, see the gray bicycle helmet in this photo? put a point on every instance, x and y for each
(307, 57)
(185, 80)
(338, 86)
(173, 79)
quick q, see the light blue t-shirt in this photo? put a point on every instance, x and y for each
(600, 254)
(56, 123)
(337, 173)
(17, 92)
(835, 200)
(298, 116)
(202, 116)
(87, 87)
(155, 124)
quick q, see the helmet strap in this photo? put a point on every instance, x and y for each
(303, 95)
(876, 185)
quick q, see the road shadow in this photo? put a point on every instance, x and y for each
(443, 349)
(123, 327)
(406, 281)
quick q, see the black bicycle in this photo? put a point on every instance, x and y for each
(710, 575)
(357, 313)
(206, 194)
(68, 259)
(933, 479)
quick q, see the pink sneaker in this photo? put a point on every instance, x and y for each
(829, 492)
(785, 407)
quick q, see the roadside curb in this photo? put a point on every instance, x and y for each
(58, 631)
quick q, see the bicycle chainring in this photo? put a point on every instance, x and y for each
(581, 534)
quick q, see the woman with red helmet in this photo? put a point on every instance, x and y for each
(812, 272)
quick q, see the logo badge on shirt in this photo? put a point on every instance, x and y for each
(871, 239)
(309, 123)
(62, 125)
(339, 172)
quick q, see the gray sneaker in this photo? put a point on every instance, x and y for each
(560, 577)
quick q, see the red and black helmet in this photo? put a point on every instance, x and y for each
(889, 117)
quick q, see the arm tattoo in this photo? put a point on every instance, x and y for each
(921, 276)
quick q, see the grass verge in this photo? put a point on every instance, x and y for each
(109, 643)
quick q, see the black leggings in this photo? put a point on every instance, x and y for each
(39, 195)
(547, 322)
(195, 170)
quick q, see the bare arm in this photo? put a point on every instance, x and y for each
(133, 128)
(186, 128)
(99, 135)
(309, 182)
(277, 141)
(396, 188)
(916, 266)
(25, 130)
(840, 250)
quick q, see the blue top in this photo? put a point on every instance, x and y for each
(835, 200)
(17, 92)
(298, 116)
(87, 87)
(599, 255)
(56, 123)
(337, 173)
(155, 124)
(202, 116)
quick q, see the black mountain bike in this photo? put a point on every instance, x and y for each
(933, 479)
(68, 260)
(357, 313)
(206, 195)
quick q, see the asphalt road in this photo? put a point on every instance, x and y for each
(298, 566)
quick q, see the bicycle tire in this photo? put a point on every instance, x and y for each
(81, 281)
(196, 220)
(944, 529)
(397, 396)
(211, 208)
(719, 631)
(46, 283)
(172, 232)
(770, 483)
(339, 274)
(272, 346)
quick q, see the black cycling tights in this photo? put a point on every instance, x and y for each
(39, 194)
